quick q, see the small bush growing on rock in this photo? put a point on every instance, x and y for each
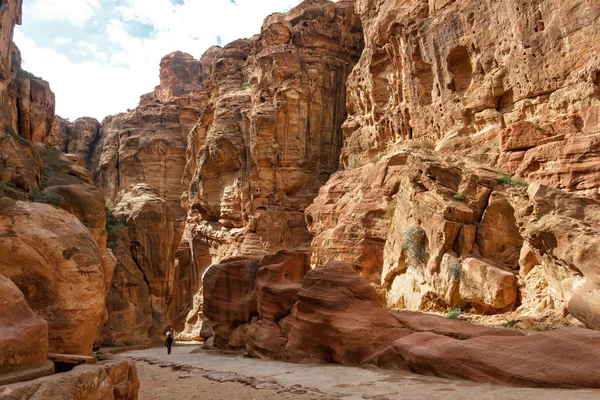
(245, 85)
(43, 197)
(459, 196)
(421, 144)
(503, 180)
(507, 180)
(518, 182)
(510, 324)
(413, 244)
(454, 314)
(455, 271)
(113, 227)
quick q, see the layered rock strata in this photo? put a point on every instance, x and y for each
(326, 315)
(513, 83)
(143, 286)
(116, 379)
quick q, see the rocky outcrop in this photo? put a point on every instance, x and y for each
(148, 144)
(140, 303)
(23, 335)
(35, 103)
(490, 86)
(441, 232)
(269, 136)
(10, 65)
(60, 269)
(21, 163)
(116, 379)
(326, 316)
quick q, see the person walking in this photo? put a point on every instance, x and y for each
(169, 342)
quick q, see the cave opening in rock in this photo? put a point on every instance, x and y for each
(460, 69)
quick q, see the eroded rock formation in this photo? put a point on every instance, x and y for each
(143, 287)
(270, 135)
(514, 82)
(326, 316)
(60, 269)
(23, 335)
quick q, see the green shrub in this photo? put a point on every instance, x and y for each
(510, 324)
(245, 85)
(503, 180)
(356, 163)
(113, 227)
(454, 314)
(518, 182)
(413, 244)
(459, 196)
(455, 271)
(44, 197)
(29, 75)
(507, 180)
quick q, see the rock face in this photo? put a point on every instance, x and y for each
(116, 379)
(326, 316)
(23, 335)
(269, 136)
(148, 144)
(60, 269)
(143, 287)
(440, 232)
(490, 86)
(10, 64)
(35, 102)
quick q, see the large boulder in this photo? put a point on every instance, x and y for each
(567, 358)
(55, 261)
(23, 335)
(339, 318)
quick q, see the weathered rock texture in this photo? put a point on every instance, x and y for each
(515, 82)
(23, 335)
(116, 379)
(270, 135)
(143, 287)
(10, 64)
(148, 144)
(55, 261)
(327, 316)
(441, 232)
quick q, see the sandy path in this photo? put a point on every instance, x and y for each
(210, 376)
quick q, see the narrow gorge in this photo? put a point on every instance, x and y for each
(406, 185)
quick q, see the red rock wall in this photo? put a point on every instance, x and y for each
(270, 135)
(513, 83)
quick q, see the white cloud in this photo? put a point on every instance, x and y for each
(76, 12)
(61, 40)
(123, 66)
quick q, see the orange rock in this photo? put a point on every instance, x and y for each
(23, 335)
(60, 269)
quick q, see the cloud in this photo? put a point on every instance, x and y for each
(114, 57)
(61, 40)
(76, 12)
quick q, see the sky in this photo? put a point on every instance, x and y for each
(101, 55)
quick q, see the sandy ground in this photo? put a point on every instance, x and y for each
(165, 384)
(212, 376)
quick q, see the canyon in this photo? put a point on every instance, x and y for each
(315, 194)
